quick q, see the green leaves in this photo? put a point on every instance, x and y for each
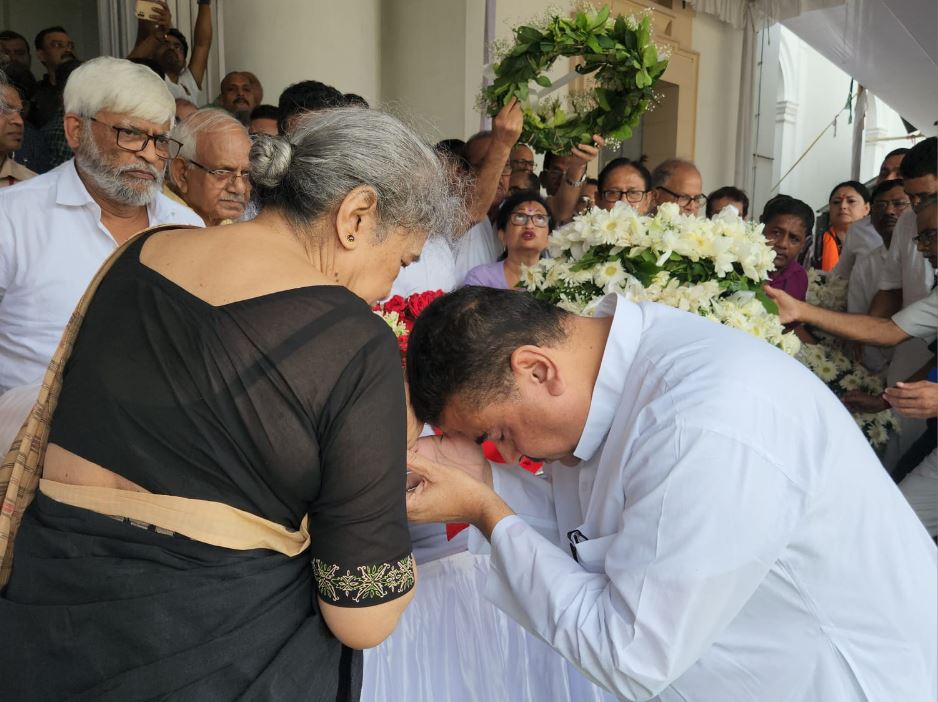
(619, 53)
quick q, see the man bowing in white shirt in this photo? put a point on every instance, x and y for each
(713, 526)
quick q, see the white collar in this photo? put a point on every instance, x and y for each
(621, 345)
(71, 191)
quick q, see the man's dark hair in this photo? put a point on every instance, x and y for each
(452, 150)
(549, 158)
(622, 162)
(535, 184)
(922, 159)
(512, 201)
(306, 96)
(731, 192)
(785, 205)
(885, 187)
(856, 185)
(41, 37)
(462, 344)
(173, 32)
(265, 112)
(895, 152)
(354, 100)
(22, 79)
(152, 64)
(8, 34)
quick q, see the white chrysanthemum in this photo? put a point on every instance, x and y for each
(609, 273)
(790, 344)
(826, 371)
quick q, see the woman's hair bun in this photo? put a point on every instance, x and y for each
(270, 160)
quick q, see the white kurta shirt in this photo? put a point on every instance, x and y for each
(476, 247)
(186, 87)
(741, 541)
(861, 288)
(52, 243)
(434, 270)
(861, 238)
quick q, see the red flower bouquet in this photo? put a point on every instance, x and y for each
(400, 313)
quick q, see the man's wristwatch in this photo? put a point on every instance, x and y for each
(575, 183)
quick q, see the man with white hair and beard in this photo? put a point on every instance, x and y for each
(58, 228)
(210, 174)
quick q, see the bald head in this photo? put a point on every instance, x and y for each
(679, 181)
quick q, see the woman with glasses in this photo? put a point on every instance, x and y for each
(849, 202)
(626, 181)
(523, 224)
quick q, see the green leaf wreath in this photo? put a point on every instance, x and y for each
(618, 50)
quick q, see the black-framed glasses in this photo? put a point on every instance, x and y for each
(685, 200)
(135, 140)
(926, 237)
(897, 205)
(920, 201)
(521, 219)
(223, 174)
(633, 195)
(521, 164)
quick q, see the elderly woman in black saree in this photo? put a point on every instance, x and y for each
(221, 511)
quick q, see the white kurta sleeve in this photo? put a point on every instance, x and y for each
(529, 496)
(691, 550)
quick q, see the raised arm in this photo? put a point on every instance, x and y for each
(563, 202)
(856, 327)
(151, 33)
(506, 128)
(201, 42)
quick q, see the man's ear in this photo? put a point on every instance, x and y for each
(537, 366)
(72, 124)
(356, 219)
(180, 174)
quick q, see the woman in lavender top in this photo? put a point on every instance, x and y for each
(523, 223)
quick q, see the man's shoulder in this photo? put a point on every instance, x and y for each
(23, 197)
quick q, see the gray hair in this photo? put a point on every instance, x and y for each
(107, 83)
(306, 173)
(662, 174)
(207, 120)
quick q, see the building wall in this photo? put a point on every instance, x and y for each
(720, 48)
(338, 44)
(78, 17)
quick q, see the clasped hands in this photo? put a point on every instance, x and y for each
(450, 481)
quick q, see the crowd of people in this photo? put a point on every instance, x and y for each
(225, 411)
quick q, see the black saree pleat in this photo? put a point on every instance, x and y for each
(99, 609)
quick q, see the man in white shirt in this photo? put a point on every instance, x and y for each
(157, 39)
(888, 202)
(58, 228)
(728, 533)
(906, 276)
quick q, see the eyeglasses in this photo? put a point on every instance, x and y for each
(521, 164)
(685, 200)
(926, 237)
(633, 195)
(7, 110)
(135, 141)
(897, 205)
(223, 174)
(522, 218)
(920, 201)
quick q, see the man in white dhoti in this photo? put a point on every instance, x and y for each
(727, 534)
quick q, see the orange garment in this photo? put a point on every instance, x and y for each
(830, 250)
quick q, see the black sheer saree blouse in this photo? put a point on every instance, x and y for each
(282, 405)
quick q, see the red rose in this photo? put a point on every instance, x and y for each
(395, 304)
(402, 344)
(418, 302)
